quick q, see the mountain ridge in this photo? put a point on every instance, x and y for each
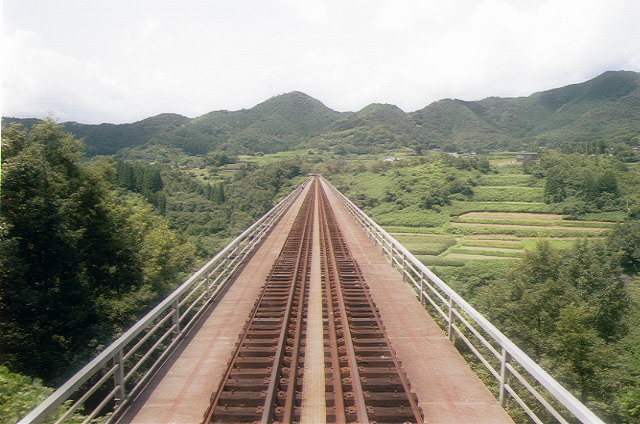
(604, 107)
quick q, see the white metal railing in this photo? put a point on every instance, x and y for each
(517, 376)
(106, 384)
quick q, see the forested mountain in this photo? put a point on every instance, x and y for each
(277, 124)
(604, 108)
(108, 139)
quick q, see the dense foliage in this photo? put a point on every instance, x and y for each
(571, 312)
(76, 259)
(19, 394)
(583, 184)
(87, 248)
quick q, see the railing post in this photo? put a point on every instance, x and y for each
(423, 287)
(450, 332)
(504, 378)
(118, 378)
(207, 285)
(176, 318)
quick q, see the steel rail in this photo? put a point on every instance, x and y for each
(288, 274)
(261, 381)
(453, 302)
(381, 384)
(360, 404)
(299, 278)
(403, 377)
(292, 384)
(329, 273)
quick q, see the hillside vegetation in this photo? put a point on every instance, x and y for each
(605, 109)
(88, 248)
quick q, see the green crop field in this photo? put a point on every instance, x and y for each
(507, 194)
(506, 180)
(503, 218)
(426, 244)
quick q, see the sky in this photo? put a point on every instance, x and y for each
(121, 61)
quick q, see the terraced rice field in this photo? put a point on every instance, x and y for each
(505, 217)
(548, 223)
(497, 227)
(523, 216)
(505, 224)
(426, 244)
(472, 256)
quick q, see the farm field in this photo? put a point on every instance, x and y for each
(503, 219)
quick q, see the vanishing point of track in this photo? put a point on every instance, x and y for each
(363, 379)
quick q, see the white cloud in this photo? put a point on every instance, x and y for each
(190, 57)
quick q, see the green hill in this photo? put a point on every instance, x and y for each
(108, 139)
(275, 125)
(605, 108)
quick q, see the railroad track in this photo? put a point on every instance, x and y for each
(363, 379)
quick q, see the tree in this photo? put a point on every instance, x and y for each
(48, 200)
(71, 254)
(624, 242)
(20, 394)
(554, 189)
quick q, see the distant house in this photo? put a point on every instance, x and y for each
(527, 156)
(635, 148)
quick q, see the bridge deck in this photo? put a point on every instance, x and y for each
(447, 389)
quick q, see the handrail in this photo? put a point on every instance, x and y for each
(452, 308)
(194, 296)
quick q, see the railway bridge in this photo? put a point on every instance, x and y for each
(313, 315)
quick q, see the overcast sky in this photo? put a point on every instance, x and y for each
(119, 61)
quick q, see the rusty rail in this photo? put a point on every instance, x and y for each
(363, 378)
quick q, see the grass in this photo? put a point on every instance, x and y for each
(558, 243)
(534, 225)
(512, 180)
(477, 256)
(617, 216)
(426, 245)
(489, 252)
(412, 217)
(518, 223)
(522, 231)
(430, 260)
(396, 229)
(517, 243)
(371, 184)
(525, 216)
(507, 194)
(460, 207)
(499, 244)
